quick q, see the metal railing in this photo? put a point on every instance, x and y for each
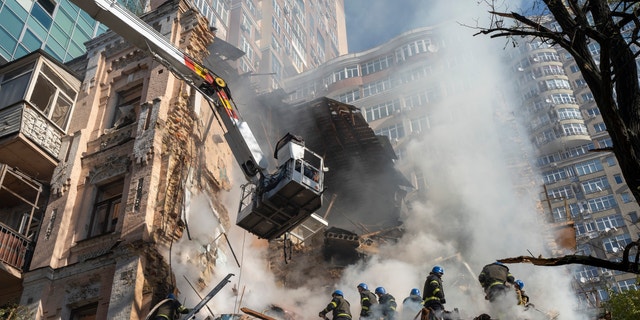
(13, 247)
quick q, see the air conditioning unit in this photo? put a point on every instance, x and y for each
(606, 273)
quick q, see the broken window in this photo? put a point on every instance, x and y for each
(106, 209)
(53, 97)
(124, 112)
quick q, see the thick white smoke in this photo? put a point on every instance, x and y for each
(473, 215)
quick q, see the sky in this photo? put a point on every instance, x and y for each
(373, 22)
(473, 215)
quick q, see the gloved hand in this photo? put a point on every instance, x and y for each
(321, 314)
(443, 300)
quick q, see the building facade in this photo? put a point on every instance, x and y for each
(282, 38)
(102, 169)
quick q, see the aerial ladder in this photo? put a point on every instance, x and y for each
(272, 203)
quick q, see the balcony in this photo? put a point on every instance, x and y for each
(29, 141)
(21, 208)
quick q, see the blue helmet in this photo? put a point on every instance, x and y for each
(520, 284)
(415, 292)
(363, 286)
(438, 269)
(499, 263)
(171, 296)
(380, 290)
(338, 293)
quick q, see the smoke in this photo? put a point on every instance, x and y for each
(474, 215)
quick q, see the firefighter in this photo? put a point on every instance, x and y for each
(339, 306)
(368, 301)
(412, 304)
(434, 293)
(170, 309)
(387, 303)
(523, 298)
(495, 278)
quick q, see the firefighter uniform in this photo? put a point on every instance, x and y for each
(388, 306)
(340, 308)
(494, 278)
(367, 302)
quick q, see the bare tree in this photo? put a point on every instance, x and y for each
(614, 26)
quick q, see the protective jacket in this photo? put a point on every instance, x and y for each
(340, 307)
(523, 298)
(170, 310)
(367, 301)
(388, 306)
(494, 278)
(433, 292)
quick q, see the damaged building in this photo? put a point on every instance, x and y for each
(96, 156)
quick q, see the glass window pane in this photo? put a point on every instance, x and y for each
(61, 112)
(7, 43)
(43, 94)
(41, 15)
(11, 23)
(30, 41)
(59, 35)
(14, 90)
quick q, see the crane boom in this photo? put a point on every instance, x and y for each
(271, 203)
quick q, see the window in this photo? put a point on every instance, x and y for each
(600, 127)
(603, 203)
(382, 110)
(574, 68)
(608, 222)
(587, 97)
(595, 185)
(588, 167)
(564, 192)
(124, 111)
(633, 216)
(617, 178)
(420, 124)
(53, 97)
(87, 312)
(393, 132)
(106, 208)
(617, 243)
(376, 87)
(14, 84)
(626, 197)
(376, 65)
(568, 113)
(349, 96)
(627, 285)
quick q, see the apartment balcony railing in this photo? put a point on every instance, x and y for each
(14, 247)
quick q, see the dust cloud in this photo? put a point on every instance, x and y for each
(474, 213)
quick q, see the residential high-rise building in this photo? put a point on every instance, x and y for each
(282, 38)
(57, 27)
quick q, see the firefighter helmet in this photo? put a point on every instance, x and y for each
(415, 292)
(380, 290)
(438, 269)
(520, 284)
(338, 293)
(363, 286)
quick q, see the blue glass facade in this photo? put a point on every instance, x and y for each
(55, 26)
